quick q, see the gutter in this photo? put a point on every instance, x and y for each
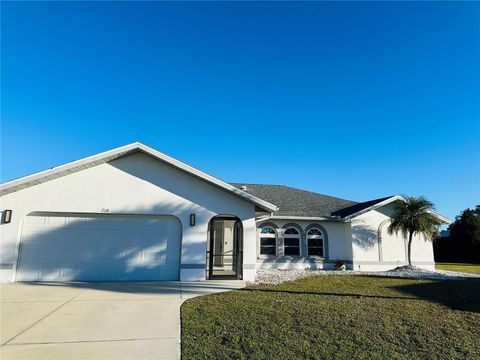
(299, 218)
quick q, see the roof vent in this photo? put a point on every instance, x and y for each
(244, 187)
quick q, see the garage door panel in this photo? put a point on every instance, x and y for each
(167, 273)
(33, 237)
(97, 274)
(55, 221)
(35, 220)
(83, 256)
(39, 272)
(103, 248)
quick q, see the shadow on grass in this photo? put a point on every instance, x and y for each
(461, 295)
(318, 293)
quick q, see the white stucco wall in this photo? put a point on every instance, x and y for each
(336, 246)
(370, 254)
(136, 184)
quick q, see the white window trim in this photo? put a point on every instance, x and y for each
(293, 236)
(322, 236)
(271, 236)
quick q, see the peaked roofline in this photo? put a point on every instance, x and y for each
(107, 156)
(362, 207)
(390, 200)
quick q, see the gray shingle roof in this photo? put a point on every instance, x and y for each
(296, 202)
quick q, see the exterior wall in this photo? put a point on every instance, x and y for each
(337, 245)
(375, 250)
(363, 244)
(136, 184)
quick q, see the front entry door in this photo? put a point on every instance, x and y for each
(223, 254)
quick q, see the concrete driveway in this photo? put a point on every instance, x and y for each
(136, 320)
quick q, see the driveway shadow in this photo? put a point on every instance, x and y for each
(183, 289)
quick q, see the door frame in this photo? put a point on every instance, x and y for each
(238, 248)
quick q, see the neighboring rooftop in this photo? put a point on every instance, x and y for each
(296, 202)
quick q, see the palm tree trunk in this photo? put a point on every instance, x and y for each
(410, 237)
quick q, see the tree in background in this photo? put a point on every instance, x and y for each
(414, 216)
(463, 243)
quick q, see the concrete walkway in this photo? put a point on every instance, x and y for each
(135, 320)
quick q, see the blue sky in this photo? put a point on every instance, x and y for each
(355, 100)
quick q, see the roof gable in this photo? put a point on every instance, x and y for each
(91, 161)
(356, 208)
(364, 207)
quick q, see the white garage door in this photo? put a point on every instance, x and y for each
(69, 247)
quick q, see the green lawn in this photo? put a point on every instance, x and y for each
(337, 317)
(469, 268)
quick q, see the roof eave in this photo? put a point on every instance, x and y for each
(441, 218)
(78, 165)
(58, 171)
(204, 176)
(373, 207)
(305, 218)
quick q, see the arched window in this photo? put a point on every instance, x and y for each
(268, 241)
(315, 242)
(291, 242)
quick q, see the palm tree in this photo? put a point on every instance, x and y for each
(414, 216)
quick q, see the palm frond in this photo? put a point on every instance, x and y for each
(414, 215)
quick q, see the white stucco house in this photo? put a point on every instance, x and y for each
(133, 213)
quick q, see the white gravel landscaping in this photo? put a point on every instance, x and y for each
(275, 276)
